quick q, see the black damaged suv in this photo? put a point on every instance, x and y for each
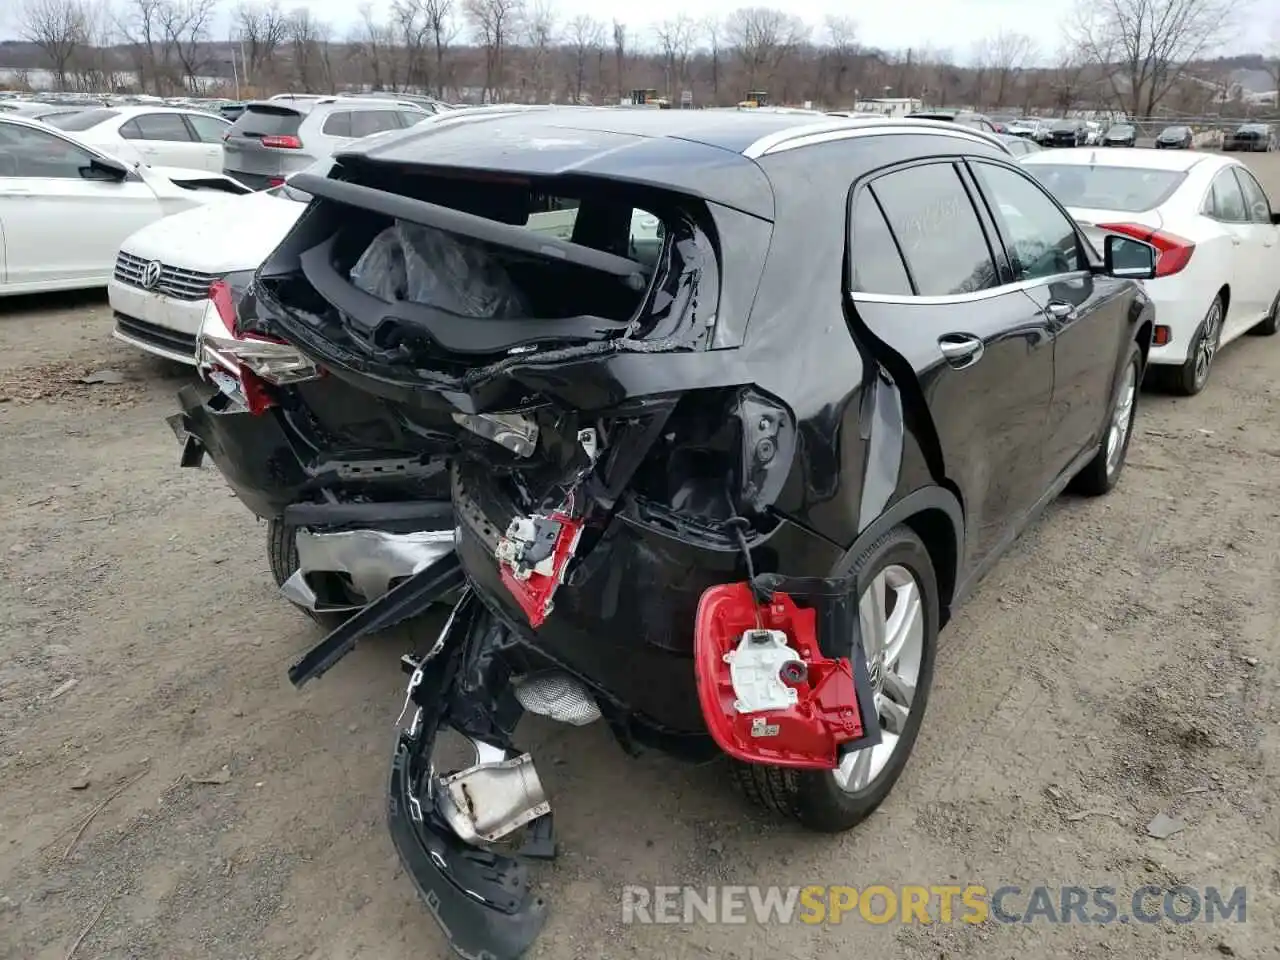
(861, 353)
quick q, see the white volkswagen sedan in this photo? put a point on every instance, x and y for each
(1217, 233)
(161, 136)
(65, 206)
(163, 272)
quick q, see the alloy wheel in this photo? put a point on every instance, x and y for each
(1121, 419)
(891, 616)
(1208, 344)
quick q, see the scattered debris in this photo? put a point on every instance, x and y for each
(103, 376)
(81, 784)
(1163, 826)
(1082, 814)
(1197, 790)
(1251, 661)
(1207, 433)
(99, 516)
(65, 687)
(1054, 792)
(216, 778)
(1225, 949)
(94, 922)
(84, 824)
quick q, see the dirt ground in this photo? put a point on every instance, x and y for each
(163, 788)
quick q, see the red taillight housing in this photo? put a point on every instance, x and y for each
(247, 363)
(286, 142)
(1173, 252)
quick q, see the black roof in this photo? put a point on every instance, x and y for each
(699, 152)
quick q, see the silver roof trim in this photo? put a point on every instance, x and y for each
(804, 135)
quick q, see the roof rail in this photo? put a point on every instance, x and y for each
(843, 128)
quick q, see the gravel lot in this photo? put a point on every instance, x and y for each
(1121, 662)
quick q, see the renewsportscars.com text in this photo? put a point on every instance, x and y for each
(936, 903)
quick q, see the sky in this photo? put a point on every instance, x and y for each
(956, 26)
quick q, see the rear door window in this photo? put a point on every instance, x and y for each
(337, 124)
(937, 228)
(207, 129)
(267, 121)
(365, 123)
(1226, 202)
(877, 264)
(163, 126)
(1255, 198)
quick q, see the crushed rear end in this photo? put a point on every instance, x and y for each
(574, 311)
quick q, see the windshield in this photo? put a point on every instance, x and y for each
(1064, 125)
(1175, 132)
(81, 121)
(1131, 189)
(1120, 130)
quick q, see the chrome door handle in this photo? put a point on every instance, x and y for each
(1059, 310)
(960, 349)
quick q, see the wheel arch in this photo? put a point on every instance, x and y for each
(935, 515)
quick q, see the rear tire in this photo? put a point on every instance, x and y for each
(1190, 378)
(1271, 324)
(814, 797)
(1102, 473)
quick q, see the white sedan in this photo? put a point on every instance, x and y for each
(65, 206)
(1218, 237)
(161, 136)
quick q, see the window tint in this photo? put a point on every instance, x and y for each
(25, 152)
(260, 120)
(877, 265)
(83, 120)
(163, 126)
(208, 129)
(367, 122)
(1042, 241)
(337, 124)
(130, 130)
(1226, 202)
(409, 118)
(1255, 198)
(934, 221)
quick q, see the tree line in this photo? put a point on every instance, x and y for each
(1139, 56)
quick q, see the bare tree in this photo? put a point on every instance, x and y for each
(58, 28)
(842, 42)
(186, 24)
(371, 41)
(140, 23)
(95, 63)
(713, 30)
(763, 38)
(619, 55)
(444, 28)
(262, 28)
(1067, 78)
(413, 28)
(1271, 61)
(585, 37)
(676, 38)
(1146, 45)
(1005, 55)
(540, 31)
(308, 41)
(496, 23)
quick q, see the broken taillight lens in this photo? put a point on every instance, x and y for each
(246, 366)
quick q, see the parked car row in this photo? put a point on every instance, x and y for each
(556, 400)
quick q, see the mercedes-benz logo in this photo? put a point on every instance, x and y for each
(151, 275)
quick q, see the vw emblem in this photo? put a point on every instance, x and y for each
(151, 275)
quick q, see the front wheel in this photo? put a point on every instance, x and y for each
(1102, 473)
(898, 617)
(1271, 324)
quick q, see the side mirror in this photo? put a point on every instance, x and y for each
(1275, 218)
(100, 168)
(1128, 259)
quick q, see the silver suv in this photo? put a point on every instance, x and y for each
(274, 138)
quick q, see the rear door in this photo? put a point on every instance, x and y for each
(1262, 240)
(927, 282)
(244, 155)
(1087, 318)
(208, 132)
(164, 140)
(1225, 204)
